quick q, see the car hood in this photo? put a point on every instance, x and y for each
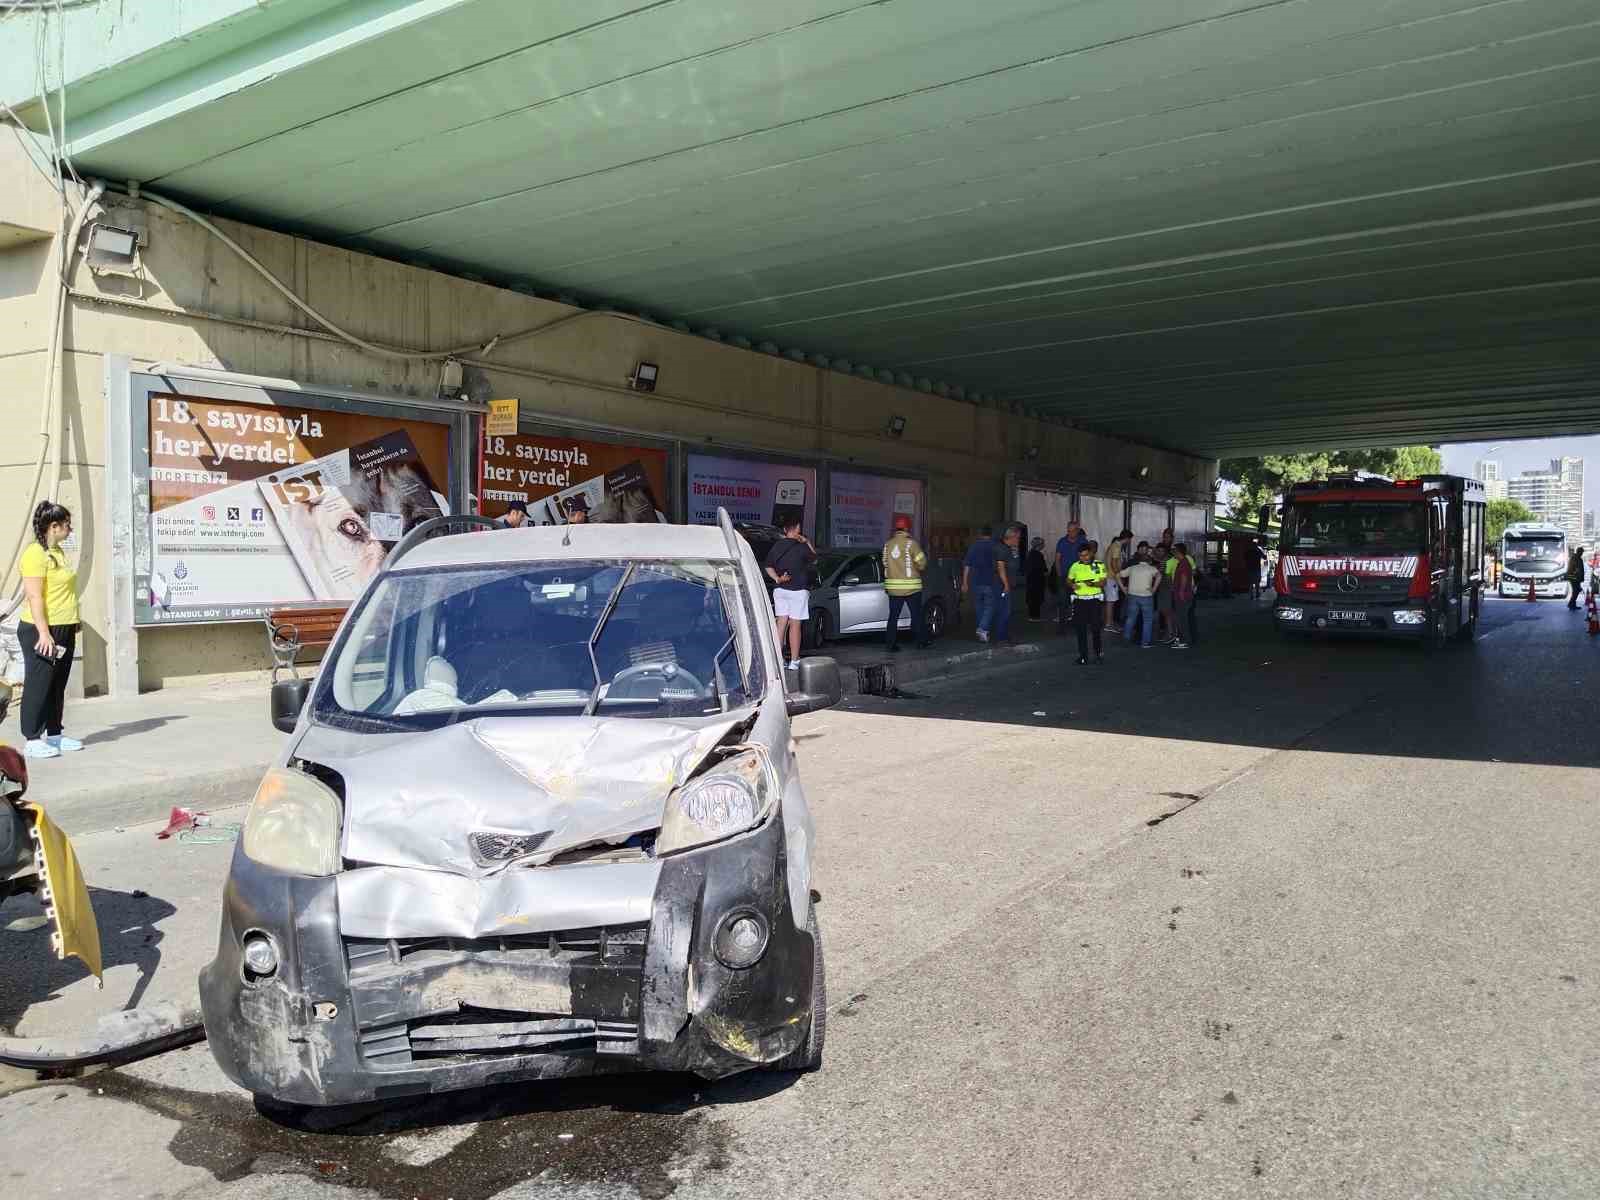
(415, 799)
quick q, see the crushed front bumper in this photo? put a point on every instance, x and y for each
(353, 1019)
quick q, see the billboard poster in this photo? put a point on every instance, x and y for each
(617, 483)
(862, 508)
(754, 492)
(254, 506)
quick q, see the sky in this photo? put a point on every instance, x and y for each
(1535, 455)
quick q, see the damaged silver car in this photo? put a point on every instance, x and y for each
(540, 816)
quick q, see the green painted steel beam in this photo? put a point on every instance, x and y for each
(1219, 224)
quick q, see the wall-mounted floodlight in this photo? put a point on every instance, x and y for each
(112, 249)
(1141, 473)
(897, 426)
(643, 378)
(450, 377)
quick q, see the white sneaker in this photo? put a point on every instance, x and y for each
(64, 743)
(983, 635)
(39, 748)
(794, 664)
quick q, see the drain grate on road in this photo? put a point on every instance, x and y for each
(876, 680)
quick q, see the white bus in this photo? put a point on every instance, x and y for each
(1537, 552)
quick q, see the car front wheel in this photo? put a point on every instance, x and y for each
(934, 619)
(807, 1056)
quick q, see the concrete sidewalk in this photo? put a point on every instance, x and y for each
(200, 747)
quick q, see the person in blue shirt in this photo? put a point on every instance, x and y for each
(1067, 547)
(985, 576)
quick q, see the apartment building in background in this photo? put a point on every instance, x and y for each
(1555, 496)
(1494, 482)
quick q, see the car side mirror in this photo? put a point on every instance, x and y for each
(850, 581)
(817, 687)
(288, 698)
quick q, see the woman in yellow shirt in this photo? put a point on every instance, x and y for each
(51, 586)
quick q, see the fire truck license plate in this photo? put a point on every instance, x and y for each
(1347, 614)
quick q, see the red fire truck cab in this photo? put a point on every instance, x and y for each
(1398, 558)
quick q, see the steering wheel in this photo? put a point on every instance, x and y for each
(669, 672)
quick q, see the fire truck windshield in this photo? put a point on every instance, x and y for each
(1354, 525)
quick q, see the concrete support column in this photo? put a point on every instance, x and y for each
(122, 640)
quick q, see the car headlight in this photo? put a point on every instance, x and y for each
(293, 824)
(1410, 616)
(732, 797)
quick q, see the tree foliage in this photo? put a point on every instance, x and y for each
(1498, 515)
(1257, 480)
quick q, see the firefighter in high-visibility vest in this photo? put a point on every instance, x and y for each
(1087, 579)
(903, 564)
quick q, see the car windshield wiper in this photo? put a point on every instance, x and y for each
(599, 627)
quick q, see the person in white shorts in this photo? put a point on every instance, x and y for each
(788, 564)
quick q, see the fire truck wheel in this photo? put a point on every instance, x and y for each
(1435, 639)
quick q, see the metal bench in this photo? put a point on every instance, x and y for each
(291, 630)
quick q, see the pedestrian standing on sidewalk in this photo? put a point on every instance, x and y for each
(1087, 578)
(48, 633)
(1183, 595)
(1162, 558)
(981, 580)
(515, 516)
(1260, 558)
(1037, 572)
(903, 564)
(1575, 578)
(789, 566)
(1008, 565)
(1139, 580)
(1114, 564)
(1067, 547)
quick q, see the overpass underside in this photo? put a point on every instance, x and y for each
(1224, 226)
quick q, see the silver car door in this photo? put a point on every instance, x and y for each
(862, 603)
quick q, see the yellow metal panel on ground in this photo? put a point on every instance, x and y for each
(66, 895)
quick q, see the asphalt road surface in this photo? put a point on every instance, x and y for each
(1258, 919)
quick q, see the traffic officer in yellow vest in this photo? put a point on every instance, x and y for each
(1087, 580)
(903, 564)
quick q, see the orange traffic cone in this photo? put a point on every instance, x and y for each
(1531, 598)
(1593, 613)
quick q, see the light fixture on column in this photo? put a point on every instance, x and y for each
(450, 378)
(1141, 473)
(897, 426)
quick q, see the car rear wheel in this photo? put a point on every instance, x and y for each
(817, 629)
(934, 619)
(807, 1056)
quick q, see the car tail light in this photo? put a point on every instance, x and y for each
(1421, 579)
(1310, 585)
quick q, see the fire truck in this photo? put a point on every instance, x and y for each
(1390, 558)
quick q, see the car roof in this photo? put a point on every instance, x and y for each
(556, 543)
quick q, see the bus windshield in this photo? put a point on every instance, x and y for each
(1355, 525)
(1537, 550)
